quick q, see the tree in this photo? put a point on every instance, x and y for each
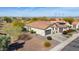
(13, 31)
(33, 19)
(43, 18)
(38, 19)
(24, 18)
(7, 19)
(14, 18)
(4, 42)
(18, 23)
(70, 20)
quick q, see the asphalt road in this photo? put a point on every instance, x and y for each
(73, 46)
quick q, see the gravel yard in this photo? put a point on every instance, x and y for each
(36, 43)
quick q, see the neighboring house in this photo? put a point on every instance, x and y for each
(46, 28)
(75, 25)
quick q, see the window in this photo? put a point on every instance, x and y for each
(48, 32)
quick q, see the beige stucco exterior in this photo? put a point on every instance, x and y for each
(42, 31)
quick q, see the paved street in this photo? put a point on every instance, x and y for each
(66, 43)
(73, 46)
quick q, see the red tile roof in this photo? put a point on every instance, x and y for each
(39, 24)
(75, 23)
(45, 24)
(59, 25)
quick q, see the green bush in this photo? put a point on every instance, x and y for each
(7, 19)
(24, 29)
(32, 31)
(49, 38)
(18, 23)
(47, 44)
(4, 42)
(74, 30)
(65, 32)
(69, 31)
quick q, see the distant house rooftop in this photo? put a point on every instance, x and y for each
(75, 23)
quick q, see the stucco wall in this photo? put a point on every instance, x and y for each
(42, 32)
(77, 26)
(64, 29)
(39, 31)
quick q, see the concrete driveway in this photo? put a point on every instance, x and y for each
(59, 37)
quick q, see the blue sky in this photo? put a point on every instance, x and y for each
(39, 11)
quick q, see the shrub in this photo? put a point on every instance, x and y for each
(74, 30)
(69, 31)
(4, 42)
(18, 23)
(7, 19)
(24, 29)
(49, 38)
(47, 44)
(32, 31)
(65, 32)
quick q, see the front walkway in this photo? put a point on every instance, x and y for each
(65, 43)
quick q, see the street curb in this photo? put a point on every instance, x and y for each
(65, 43)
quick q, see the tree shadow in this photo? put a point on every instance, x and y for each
(24, 37)
(15, 46)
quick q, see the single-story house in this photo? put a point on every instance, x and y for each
(46, 28)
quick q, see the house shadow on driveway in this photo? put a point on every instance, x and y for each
(15, 46)
(19, 43)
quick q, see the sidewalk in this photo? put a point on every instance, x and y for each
(65, 43)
